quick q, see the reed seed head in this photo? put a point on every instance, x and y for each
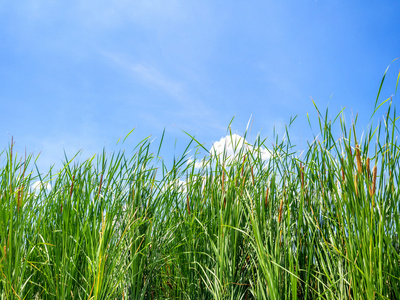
(356, 184)
(358, 156)
(280, 212)
(188, 204)
(223, 180)
(374, 173)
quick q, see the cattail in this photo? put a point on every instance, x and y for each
(252, 174)
(358, 156)
(280, 211)
(373, 188)
(223, 180)
(302, 176)
(391, 180)
(343, 175)
(188, 204)
(266, 198)
(20, 192)
(356, 184)
(368, 169)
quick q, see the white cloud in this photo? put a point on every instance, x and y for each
(231, 146)
(37, 186)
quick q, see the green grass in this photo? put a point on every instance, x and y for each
(323, 225)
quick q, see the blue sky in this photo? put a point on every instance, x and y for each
(81, 74)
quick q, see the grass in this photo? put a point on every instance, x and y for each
(323, 225)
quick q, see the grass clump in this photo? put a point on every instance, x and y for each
(321, 225)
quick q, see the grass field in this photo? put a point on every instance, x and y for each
(323, 225)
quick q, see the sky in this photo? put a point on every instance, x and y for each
(80, 75)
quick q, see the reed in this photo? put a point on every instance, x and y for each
(118, 226)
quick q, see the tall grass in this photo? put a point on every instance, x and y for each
(321, 225)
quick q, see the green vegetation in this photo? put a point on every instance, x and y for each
(323, 225)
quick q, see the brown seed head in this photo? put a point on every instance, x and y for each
(20, 193)
(223, 180)
(280, 211)
(343, 175)
(356, 184)
(374, 172)
(266, 198)
(358, 156)
(188, 204)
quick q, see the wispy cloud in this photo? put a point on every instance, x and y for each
(150, 76)
(185, 110)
